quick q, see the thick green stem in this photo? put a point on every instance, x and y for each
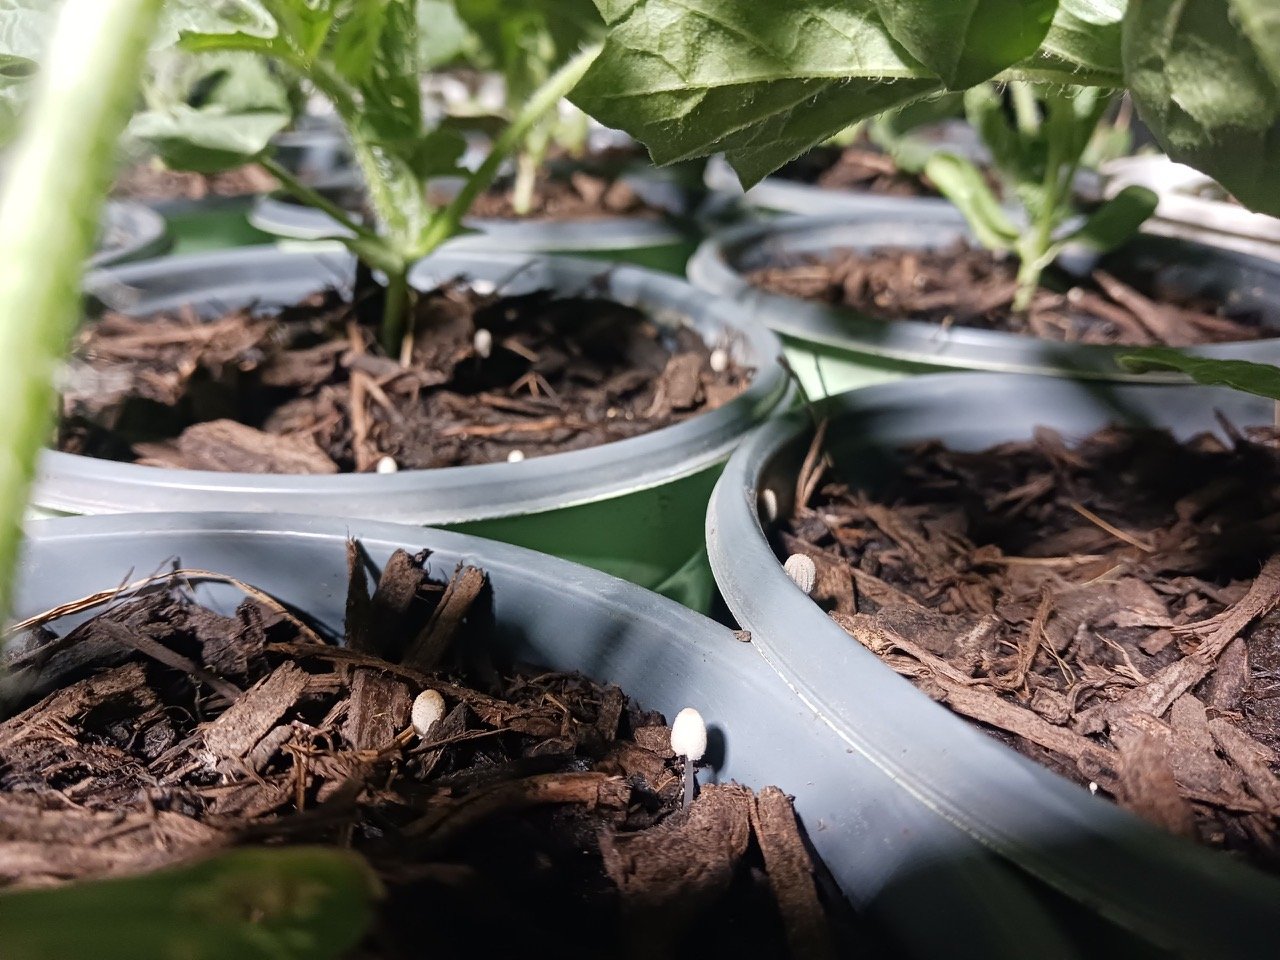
(49, 222)
(395, 311)
(447, 222)
(526, 179)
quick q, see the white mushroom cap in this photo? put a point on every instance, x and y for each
(719, 360)
(802, 571)
(689, 734)
(428, 710)
(515, 456)
(483, 343)
(387, 465)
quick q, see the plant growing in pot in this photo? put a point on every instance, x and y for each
(283, 901)
(1073, 585)
(885, 54)
(558, 195)
(438, 406)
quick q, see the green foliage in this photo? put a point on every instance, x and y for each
(56, 180)
(1261, 379)
(965, 186)
(765, 82)
(1206, 77)
(966, 42)
(210, 112)
(303, 903)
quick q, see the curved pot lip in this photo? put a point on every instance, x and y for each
(75, 483)
(711, 268)
(274, 213)
(804, 199)
(1168, 178)
(1166, 888)
(147, 234)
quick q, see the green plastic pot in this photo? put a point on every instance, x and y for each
(633, 508)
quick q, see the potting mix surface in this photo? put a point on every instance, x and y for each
(968, 287)
(1107, 608)
(542, 815)
(148, 180)
(307, 390)
(860, 167)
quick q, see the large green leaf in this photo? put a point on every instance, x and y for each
(211, 112)
(1087, 33)
(1261, 379)
(1260, 20)
(1202, 79)
(688, 77)
(968, 41)
(289, 904)
(207, 140)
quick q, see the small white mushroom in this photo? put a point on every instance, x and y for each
(387, 465)
(802, 571)
(1093, 787)
(689, 740)
(769, 505)
(428, 710)
(515, 456)
(483, 343)
(719, 360)
(484, 287)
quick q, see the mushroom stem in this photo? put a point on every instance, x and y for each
(690, 782)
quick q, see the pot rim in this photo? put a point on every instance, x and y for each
(1169, 179)
(146, 234)
(74, 483)
(1169, 890)
(712, 268)
(275, 213)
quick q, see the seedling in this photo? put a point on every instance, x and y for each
(365, 59)
(524, 40)
(689, 740)
(1037, 140)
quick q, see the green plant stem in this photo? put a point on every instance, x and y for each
(528, 163)
(395, 311)
(448, 221)
(48, 223)
(314, 198)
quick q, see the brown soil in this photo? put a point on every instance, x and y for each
(859, 167)
(963, 286)
(579, 196)
(1108, 609)
(150, 181)
(308, 391)
(165, 730)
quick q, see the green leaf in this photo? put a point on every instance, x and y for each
(1260, 379)
(688, 77)
(968, 41)
(1087, 33)
(962, 183)
(1260, 20)
(1113, 223)
(442, 36)
(249, 904)
(208, 140)
(1203, 82)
